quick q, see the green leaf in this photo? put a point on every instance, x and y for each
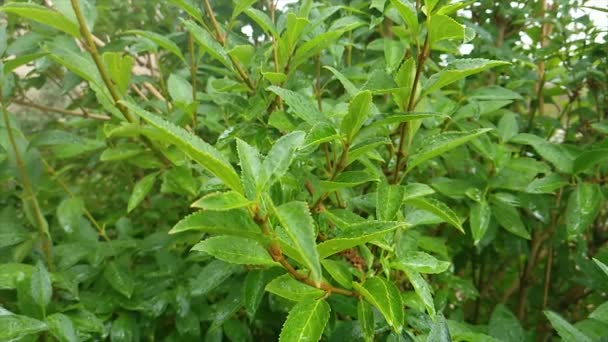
(355, 235)
(300, 105)
(279, 158)
(438, 208)
(348, 179)
(442, 27)
(251, 168)
(263, 20)
(458, 70)
(505, 326)
(203, 153)
(565, 330)
(422, 288)
(439, 331)
(11, 273)
(422, 262)
(338, 270)
(601, 312)
(508, 218)
(276, 78)
(409, 15)
(480, 216)
(601, 265)
(386, 298)
(305, 322)
(546, 185)
(212, 276)
(40, 286)
(69, 213)
(236, 250)
(350, 88)
(588, 159)
(207, 43)
(16, 327)
(287, 287)
(436, 145)
(18, 61)
(119, 278)
(44, 16)
(414, 190)
(62, 328)
(180, 89)
(365, 316)
(406, 117)
(389, 199)
(358, 111)
(298, 224)
(120, 68)
(555, 154)
(188, 7)
(222, 201)
(235, 222)
(141, 190)
(584, 204)
(255, 282)
(159, 40)
(507, 127)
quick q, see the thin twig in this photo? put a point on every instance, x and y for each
(48, 109)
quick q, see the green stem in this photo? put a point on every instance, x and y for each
(30, 195)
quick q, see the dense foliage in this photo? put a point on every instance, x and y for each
(336, 170)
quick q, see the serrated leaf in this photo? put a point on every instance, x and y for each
(439, 331)
(457, 70)
(236, 250)
(565, 330)
(389, 199)
(16, 327)
(62, 328)
(179, 89)
(119, 67)
(365, 316)
(234, 222)
(263, 20)
(300, 105)
(207, 43)
(203, 153)
(422, 262)
(414, 190)
(355, 235)
(358, 111)
(436, 145)
(589, 159)
(338, 270)
(251, 168)
(437, 208)
(222, 201)
(44, 16)
(406, 117)
(295, 218)
(584, 204)
(287, 287)
(442, 27)
(212, 276)
(255, 283)
(40, 287)
(553, 153)
(159, 40)
(119, 278)
(350, 88)
(508, 217)
(409, 15)
(12, 64)
(505, 326)
(386, 298)
(305, 322)
(480, 216)
(507, 127)
(422, 288)
(140, 191)
(279, 158)
(189, 8)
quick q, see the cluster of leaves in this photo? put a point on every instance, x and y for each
(330, 170)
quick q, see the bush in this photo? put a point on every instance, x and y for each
(329, 170)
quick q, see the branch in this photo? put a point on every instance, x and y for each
(48, 109)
